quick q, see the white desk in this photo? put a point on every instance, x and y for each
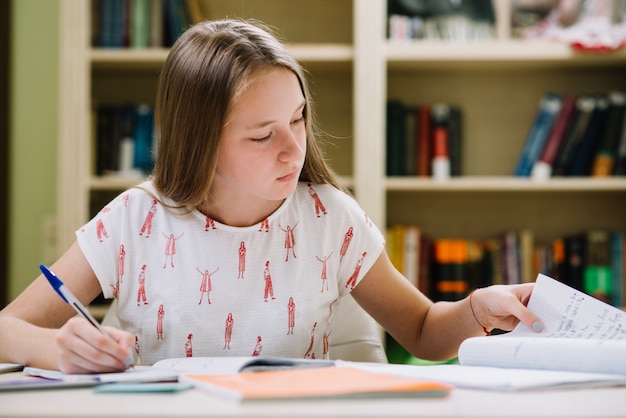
(588, 403)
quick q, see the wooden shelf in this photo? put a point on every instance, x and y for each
(319, 55)
(507, 184)
(494, 54)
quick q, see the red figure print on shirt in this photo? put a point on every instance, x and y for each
(209, 223)
(101, 232)
(141, 292)
(242, 261)
(115, 289)
(258, 347)
(290, 240)
(205, 285)
(291, 315)
(122, 257)
(352, 280)
(170, 248)
(269, 289)
(347, 238)
(228, 333)
(324, 275)
(188, 348)
(309, 351)
(264, 225)
(147, 223)
(319, 206)
(137, 346)
(159, 327)
(125, 199)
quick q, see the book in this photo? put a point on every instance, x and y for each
(609, 140)
(440, 162)
(37, 378)
(617, 268)
(575, 254)
(581, 334)
(455, 141)
(619, 168)
(583, 157)
(585, 105)
(598, 270)
(140, 23)
(423, 139)
(449, 269)
(549, 107)
(314, 383)
(395, 137)
(542, 169)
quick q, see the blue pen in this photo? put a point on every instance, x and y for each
(68, 297)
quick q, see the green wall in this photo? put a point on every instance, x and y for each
(33, 136)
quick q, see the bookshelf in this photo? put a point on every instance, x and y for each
(354, 70)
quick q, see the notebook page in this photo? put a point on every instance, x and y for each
(581, 334)
(570, 313)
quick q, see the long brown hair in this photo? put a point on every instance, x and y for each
(209, 66)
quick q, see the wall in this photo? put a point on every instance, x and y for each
(33, 148)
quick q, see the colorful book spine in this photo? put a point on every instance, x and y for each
(450, 260)
(549, 106)
(597, 270)
(611, 134)
(542, 169)
(583, 157)
(585, 106)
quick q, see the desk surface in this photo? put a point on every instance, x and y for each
(83, 402)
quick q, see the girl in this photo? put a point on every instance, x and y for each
(238, 151)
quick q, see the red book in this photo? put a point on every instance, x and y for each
(542, 169)
(423, 141)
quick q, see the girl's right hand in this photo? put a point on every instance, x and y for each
(82, 348)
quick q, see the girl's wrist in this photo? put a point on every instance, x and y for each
(474, 310)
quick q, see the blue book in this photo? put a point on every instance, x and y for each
(549, 107)
(143, 133)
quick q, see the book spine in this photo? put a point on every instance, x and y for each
(143, 133)
(440, 167)
(410, 144)
(585, 105)
(424, 141)
(620, 155)
(549, 106)
(583, 158)
(455, 140)
(575, 260)
(450, 262)
(609, 141)
(140, 23)
(617, 266)
(156, 23)
(542, 169)
(597, 270)
(395, 137)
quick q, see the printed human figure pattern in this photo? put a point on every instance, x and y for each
(262, 281)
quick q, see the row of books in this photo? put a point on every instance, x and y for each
(423, 140)
(448, 269)
(447, 20)
(576, 135)
(142, 23)
(124, 139)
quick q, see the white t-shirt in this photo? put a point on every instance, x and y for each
(189, 286)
